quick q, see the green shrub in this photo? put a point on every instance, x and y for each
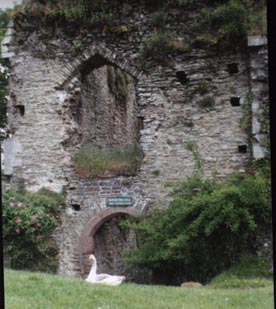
(158, 47)
(208, 226)
(227, 22)
(161, 45)
(90, 162)
(102, 19)
(28, 222)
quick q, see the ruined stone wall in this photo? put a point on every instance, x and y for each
(260, 92)
(106, 119)
(197, 99)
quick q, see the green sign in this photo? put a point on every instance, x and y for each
(120, 201)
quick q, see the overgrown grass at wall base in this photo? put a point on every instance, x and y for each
(208, 227)
(28, 222)
(250, 272)
(91, 162)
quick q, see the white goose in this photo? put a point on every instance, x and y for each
(102, 278)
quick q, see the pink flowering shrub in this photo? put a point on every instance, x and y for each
(28, 223)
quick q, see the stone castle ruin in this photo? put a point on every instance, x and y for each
(60, 100)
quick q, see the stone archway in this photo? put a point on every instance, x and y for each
(95, 53)
(87, 240)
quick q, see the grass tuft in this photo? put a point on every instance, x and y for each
(124, 161)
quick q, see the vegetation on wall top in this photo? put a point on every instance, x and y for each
(224, 20)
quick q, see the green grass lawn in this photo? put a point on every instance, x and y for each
(40, 290)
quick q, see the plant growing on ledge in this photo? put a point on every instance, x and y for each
(124, 161)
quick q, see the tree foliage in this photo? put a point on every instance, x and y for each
(208, 226)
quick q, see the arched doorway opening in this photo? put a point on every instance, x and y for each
(106, 239)
(111, 241)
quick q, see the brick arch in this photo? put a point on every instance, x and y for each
(93, 51)
(87, 244)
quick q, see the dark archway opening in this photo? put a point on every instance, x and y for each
(108, 240)
(111, 240)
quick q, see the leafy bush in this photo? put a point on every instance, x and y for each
(28, 222)
(160, 45)
(208, 226)
(90, 162)
(227, 22)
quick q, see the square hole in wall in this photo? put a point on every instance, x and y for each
(242, 148)
(235, 101)
(76, 207)
(232, 68)
(20, 109)
(182, 77)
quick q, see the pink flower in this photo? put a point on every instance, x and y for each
(17, 230)
(37, 237)
(19, 205)
(18, 220)
(38, 224)
(7, 186)
(11, 204)
(32, 218)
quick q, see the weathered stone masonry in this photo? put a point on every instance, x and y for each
(59, 102)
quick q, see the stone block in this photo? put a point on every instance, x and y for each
(12, 155)
(256, 40)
